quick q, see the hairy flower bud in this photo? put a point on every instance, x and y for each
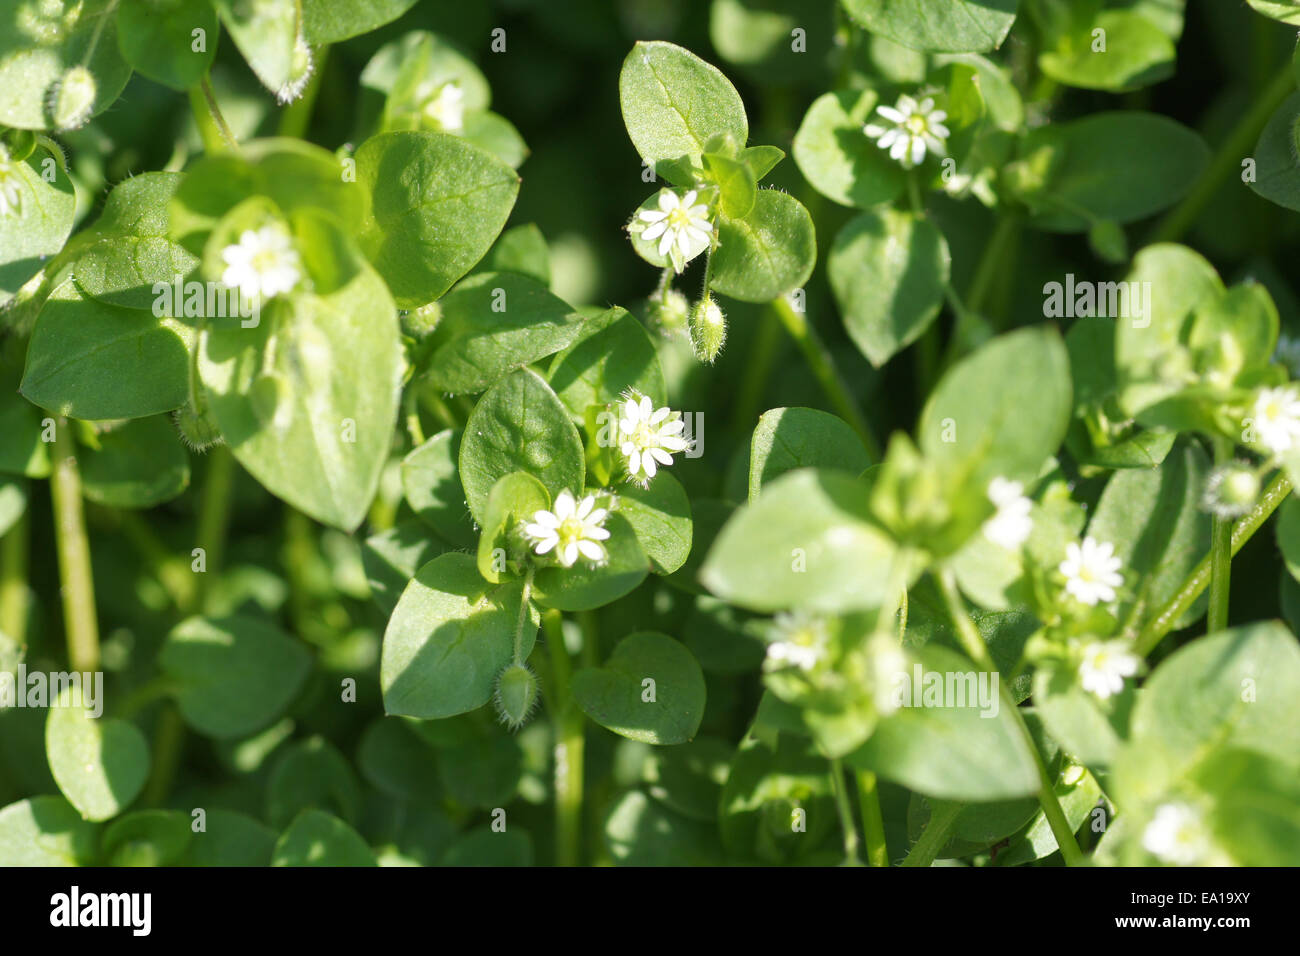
(516, 694)
(708, 329)
(1231, 490)
(72, 98)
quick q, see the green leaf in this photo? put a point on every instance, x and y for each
(484, 773)
(231, 839)
(838, 158)
(40, 43)
(612, 355)
(37, 228)
(889, 270)
(139, 464)
(269, 35)
(968, 753)
(431, 484)
(95, 361)
(1288, 11)
(1153, 517)
(293, 174)
(393, 759)
(23, 452)
(146, 838)
(673, 103)
(13, 502)
(807, 541)
(392, 557)
(660, 516)
(650, 689)
(156, 37)
(737, 189)
(100, 763)
(1137, 53)
(584, 587)
(493, 324)
(317, 839)
(311, 773)
(786, 439)
(1236, 688)
(1277, 176)
(974, 433)
(45, 831)
(640, 831)
(232, 675)
(434, 205)
(1117, 166)
(484, 846)
(449, 637)
(757, 35)
(939, 26)
(514, 499)
(519, 425)
(768, 253)
(520, 249)
(1288, 535)
(328, 21)
(761, 159)
(313, 437)
(132, 252)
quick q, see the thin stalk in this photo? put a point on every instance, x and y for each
(524, 602)
(1005, 234)
(1228, 159)
(1216, 618)
(213, 112)
(569, 745)
(873, 820)
(411, 406)
(823, 368)
(845, 811)
(977, 651)
(1199, 578)
(13, 580)
(943, 815)
(75, 578)
(214, 518)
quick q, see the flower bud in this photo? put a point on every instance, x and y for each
(1231, 490)
(197, 427)
(72, 98)
(516, 694)
(418, 324)
(671, 312)
(708, 329)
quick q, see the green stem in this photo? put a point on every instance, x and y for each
(943, 815)
(978, 651)
(168, 742)
(297, 115)
(1199, 578)
(758, 369)
(74, 553)
(13, 580)
(411, 406)
(1216, 618)
(1231, 152)
(524, 603)
(207, 114)
(873, 820)
(1005, 234)
(823, 368)
(845, 811)
(214, 518)
(568, 747)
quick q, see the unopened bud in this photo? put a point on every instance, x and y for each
(73, 98)
(671, 312)
(708, 329)
(1231, 490)
(516, 694)
(419, 323)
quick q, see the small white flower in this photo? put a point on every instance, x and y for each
(574, 528)
(1104, 666)
(1277, 418)
(913, 128)
(1176, 835)
(447, 108)
(648, 436)
(797, 641)
(1010, 524)
(681, 225)
(1092, 571)
(263, 263)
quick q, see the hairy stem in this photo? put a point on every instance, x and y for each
(213, 128)
(977, 651)
(828, 376)
(943, 814)
(1228, 158)
(1216, 618)
(568, 747)
(1199, 578)
(75, 577)
(873, 820)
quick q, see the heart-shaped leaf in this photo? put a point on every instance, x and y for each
(100, 763)
(650, 689)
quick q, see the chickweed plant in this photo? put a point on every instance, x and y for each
(691, 433)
